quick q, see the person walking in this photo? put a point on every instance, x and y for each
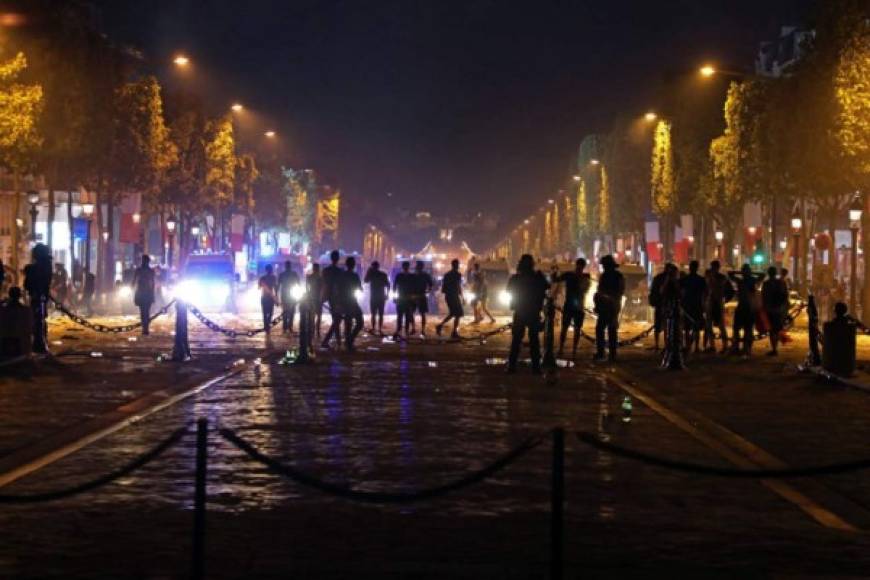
(774, 300)
(527, 289)
(480, 289)
(608, 302)
(379, 289)
(655, 300)
(268, 285)
(576, 287)
(314, 291)
(719, 292)
(747, 307)
(423, 284)
(451, 287)
(693, 291)
(286, 282)
(143, 292)
(404, 287)
(332, 275)
(350, 290)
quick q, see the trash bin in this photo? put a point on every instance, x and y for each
(839, 347)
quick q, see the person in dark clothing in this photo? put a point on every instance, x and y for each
(774, 300)
(332, 275)
(451, 287)
(423, 284)
(2, 275)
(379, 288)
(286, 282)
(37, 284)
(268, 285)
(747, 307)
(16, 325)
(143, 295)
(719, 291)
(655, 300)
(314, 292)
(576, 286)
(608, 302)
(88, 292)
(693, 293)
(404, 287)
(527, 289)
(350, 291)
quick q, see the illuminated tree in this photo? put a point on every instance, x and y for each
(662, 171)
(604, 203)
(220, 176)
(852, 89)
(582, 209)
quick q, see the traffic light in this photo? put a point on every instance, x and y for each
(759, 257)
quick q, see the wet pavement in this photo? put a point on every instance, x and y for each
(388, 419)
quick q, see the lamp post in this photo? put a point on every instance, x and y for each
(170, 229)
(88, 214)
(194, 231)
(33, 200)
(719, 235)
(796, 225)
(855, 212)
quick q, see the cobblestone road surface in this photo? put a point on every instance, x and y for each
(408, 416)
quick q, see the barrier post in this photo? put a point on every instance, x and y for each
(304, 332)
(814, 359)
(199, 497)
(549, 361)
(557, 502)
(181, 346)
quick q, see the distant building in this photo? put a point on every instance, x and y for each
(776, 57)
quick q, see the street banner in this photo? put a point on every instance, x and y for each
(237, 232)
(651, 231)
(80, 228)
(130, 231)
(651, 234)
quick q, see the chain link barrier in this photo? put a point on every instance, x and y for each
(381, 497)
(97, 327)
(232, 333)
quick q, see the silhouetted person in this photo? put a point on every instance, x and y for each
(774, 300)
(16, 325)
(268, 285)
(350, 288)
(422, 286)
(404, 286)
(143, 292)
(693, 290)
(655, 300)
(2, 275)
(451, 287)
(379, 288)
(88, 290)
(719, 291)
(527, 289)
(332, 275)
(576, 286)
(60, 284)
(744, 314)
(286, 282)
(314, 291)
(37, 283)
(608, 302)
(478, 284)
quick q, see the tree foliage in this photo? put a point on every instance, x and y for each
(662, 184)
(20, 108)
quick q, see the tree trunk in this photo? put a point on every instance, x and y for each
(109, 266)
(69, 218)
(16, 234)
(49, 220)
(100, 244)
(865, 242)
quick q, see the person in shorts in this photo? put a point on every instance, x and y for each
(451, 287)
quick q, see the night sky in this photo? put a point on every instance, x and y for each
(449, 105)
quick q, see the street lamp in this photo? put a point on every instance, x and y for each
(576, 178)
(650, 117)
(181, 61)
(707, 70)
(719, 235)
(796, 225)
(237, 107)
(137, 217)
(270, 134)
(88, 214)
(170, 229)
(194, 231)
(33, 200)
(854, 225)
(594, 161)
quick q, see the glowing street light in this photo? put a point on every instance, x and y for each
(270, 134)
(87, 210)
(237, 107)
(650, 117)
(576, 178)
(181, 61)
(137, 217)
(707, 70)
(594, 162)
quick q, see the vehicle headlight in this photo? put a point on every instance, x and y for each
(470, 296)
(218, 292)
(505, 297)
(189, 290)
(297, 292)
(358, 294)
(124, 291)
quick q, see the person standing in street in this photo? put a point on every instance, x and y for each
(350, 288)
(527, 289)
(332, 275)
(477, 282)
(747, 307)
(314, 291)
(655, 300)
(451, 287)
(423, 285)
(576, 286)
(37, 284)
(379, 288)
(88, 292)
(719, 291)
(286, 281)
(16, 326)
(268, 285)
(774, 300)
(693, 290)
(404, 287)
(143, 292)
(608, 302)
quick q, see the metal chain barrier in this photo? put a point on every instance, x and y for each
(214, 326)
(130, 467)
(688, 467)
(97, 327)
(381, 497)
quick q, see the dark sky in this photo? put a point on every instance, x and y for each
(446, 104)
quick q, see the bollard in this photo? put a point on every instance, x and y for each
(199, 497)
(814, 359)
(673, 357)
(304, 333)
(557, 504)
(181, 347)
(40, 328)
(549, 361)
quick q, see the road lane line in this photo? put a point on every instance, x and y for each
(737, 450)
(57, 446)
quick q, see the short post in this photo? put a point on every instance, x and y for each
(181, 347)
(304, 332)
(199, 497)
(814, 358)
(38, 307)
(557, 503)
(549, 361)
